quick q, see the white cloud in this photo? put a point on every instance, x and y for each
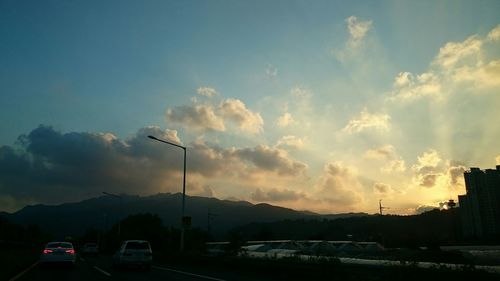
(207, 117)
(459, 67)
(494, 34)
(403, 79)
(453, 53)
(291, 142)
(300, 93)
(387, 153)
(357, 30)
(197, 117)
(206, 91)
(484, 76)
(285, 120)
(271, 71)
(427, 161)
(236, 111)
(366, 120)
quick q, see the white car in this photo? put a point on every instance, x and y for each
(134, 253)
(90, 249)
(58, 252)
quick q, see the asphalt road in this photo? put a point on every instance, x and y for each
(100, 268)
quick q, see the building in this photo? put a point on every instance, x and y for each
(480, 207)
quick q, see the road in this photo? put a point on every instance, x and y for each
(100, 269)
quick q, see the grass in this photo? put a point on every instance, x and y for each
(328, 269)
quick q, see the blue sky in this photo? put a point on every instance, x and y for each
(324, 105)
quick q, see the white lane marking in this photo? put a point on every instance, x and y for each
(102, 271)
(188, 273)
(23, 272)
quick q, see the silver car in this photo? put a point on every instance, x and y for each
(134, 253)
(58, 252)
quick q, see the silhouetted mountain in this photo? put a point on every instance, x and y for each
(72, 219)
(427, 229)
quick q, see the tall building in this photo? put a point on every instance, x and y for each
(480, 207)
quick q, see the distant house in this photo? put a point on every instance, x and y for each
(480, 207)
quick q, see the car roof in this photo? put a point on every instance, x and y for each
(60, 242)
(140, 241)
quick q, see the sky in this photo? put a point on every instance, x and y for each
(326, 106)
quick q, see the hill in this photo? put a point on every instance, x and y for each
(72, 219)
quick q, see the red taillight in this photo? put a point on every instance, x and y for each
(70, 251)
(46, 251)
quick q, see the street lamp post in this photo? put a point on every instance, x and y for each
(183, 187)
(119, 220)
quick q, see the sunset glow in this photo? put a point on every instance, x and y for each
(321, 106)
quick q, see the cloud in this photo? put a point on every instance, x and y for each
(236, 111)
(300, 93)
(424, 208)
(467, 66)
(290, 142)
(209, 117)
(387, 153)
(366, 120)
(52, 167)
(197, 117)
(455, 173)
(206, 91)
(270, 159)
(432, 171)
(428, 161)
(285, 120)
(276, 195)
(403, 79)
(382, 188)
(339, 186)
(357, 30)
(494, 34)
(213, 161)
(271, 71)
(453, 53)
(497, 159)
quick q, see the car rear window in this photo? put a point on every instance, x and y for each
(59, 245)
(137, 246)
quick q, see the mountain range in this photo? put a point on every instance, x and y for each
(218, 216)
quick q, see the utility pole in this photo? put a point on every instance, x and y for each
(210, 216)
(381, 208)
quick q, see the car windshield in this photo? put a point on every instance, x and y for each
(137, 246)
(59, 245)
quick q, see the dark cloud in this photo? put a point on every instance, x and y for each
(456, 173)
(50, 167)
(429, 180)
(271, 159)
(382, 188)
